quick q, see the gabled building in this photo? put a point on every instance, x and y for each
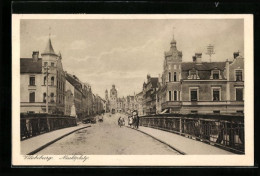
(149, 95)
(42, 79)
(201, 87)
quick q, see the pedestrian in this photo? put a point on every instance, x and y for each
(137, 121)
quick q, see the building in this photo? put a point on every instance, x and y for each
(139, 103)
(149, 95)
(107, 102)
(42, 79)
(77, 90)
(113, 99)
(69, 97)
(201, 87)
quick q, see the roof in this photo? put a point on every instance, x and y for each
(73, 81)
(27, 65)
(203, 65)
(49, 49)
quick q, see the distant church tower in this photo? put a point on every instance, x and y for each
(113, 99)
(106, 95)
(113, 93)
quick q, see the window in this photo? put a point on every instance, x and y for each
(52, 64)
(170, 75)
(193, 74)
(44, 80)
(44, 97)
(52, 81)
(239, 94)
(215, 74)
(175, 95)
(174, 77)
(238, 75)
(216, 95)
(216, 112)
(45, 64)
(170, 96)
(52, 97)
(32, 81)
(32, 97)
(193, 95)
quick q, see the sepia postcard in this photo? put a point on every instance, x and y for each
(132, 90)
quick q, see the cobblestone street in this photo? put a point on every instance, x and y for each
(107, 138)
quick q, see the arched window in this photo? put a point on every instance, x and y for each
(44, 97)
(44, 80)
(175, 77)
(52, 97)
(52, 81)
(170, 75)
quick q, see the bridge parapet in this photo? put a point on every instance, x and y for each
(224, 131)
(35, 124)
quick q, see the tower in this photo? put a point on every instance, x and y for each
(106, 94)
(113, 93)
(171, 76)
(113, 99)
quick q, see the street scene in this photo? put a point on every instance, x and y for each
(108, 138)
(109, 87)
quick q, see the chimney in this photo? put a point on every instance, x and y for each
(235, 54)
(194, 58)
(198, 57)
(35, 56)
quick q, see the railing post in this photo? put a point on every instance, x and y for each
(181, 125)
(48, 123)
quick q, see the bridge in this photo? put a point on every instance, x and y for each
(165, 134)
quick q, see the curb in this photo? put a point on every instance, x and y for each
(51, 142)
(179, 151)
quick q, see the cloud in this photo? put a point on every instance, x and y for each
(45, 38)
(78, 45)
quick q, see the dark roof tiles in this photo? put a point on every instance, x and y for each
(203, 65)
(27, 65)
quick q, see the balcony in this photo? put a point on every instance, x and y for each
(171, 104)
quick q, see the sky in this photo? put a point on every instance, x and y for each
(103, 52)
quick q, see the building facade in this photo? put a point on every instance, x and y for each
(42, 82)
(201, 87)
(149, 95)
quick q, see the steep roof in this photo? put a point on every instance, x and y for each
(73, 81)
(203, 65)
(49, 49)
(28, 65)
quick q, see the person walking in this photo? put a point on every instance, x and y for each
(137, 121)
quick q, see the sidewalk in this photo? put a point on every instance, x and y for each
(183, 144)
(35, 143)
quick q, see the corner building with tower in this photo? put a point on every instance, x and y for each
(200, 87)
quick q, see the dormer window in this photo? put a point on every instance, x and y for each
(193, 74)
(215, 74)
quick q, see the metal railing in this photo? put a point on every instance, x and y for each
(224, 131)
(35, 124)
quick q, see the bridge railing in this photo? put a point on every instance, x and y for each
(224, 131)
(35, 124)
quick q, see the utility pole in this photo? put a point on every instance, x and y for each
(46, 68)
(210, 51)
